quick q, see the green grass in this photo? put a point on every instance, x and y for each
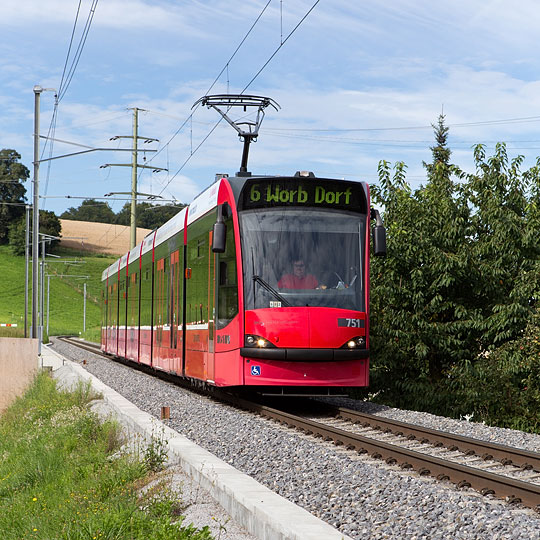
(59, 479)
(66, 310)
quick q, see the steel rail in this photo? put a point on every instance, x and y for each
(485, 482)
(86, 345)
(507, 455)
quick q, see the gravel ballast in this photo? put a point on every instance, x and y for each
(361, 497)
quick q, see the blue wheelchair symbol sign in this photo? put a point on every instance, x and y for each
(256, 371)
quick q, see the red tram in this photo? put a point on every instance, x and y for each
(261, 282)
(206, 296)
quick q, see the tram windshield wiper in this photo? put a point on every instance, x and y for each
(271, 290)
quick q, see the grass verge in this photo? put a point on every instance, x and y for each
(62, 475)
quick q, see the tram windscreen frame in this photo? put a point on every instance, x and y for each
(329, 242)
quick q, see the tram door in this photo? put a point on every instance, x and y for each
(110, 318)
(105, 317)
(211, 357)
(114, 310)
(175, 312)
(200, 300)
(160, 312)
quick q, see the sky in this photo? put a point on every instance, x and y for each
(357, 83)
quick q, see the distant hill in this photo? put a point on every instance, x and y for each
(98, 237)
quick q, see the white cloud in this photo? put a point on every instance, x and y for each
(350, 65)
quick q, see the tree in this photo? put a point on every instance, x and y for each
(440, 152)
(420, 310)
(12, 192)
(48, 224)
(149, 216)
(91, 210)
(503, 247)
(454, 314)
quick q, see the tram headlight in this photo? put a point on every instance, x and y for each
(257, 342)
(358, 342)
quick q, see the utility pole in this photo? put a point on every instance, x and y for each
(26, 258)
(42, 311)
(35, 213)
(134, 167)
(48, 299)
(84, 310)
(133, 220)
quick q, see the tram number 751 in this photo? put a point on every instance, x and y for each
(351, 323)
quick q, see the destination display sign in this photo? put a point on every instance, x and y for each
(314, 192)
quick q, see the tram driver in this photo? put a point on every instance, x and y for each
(298, 278)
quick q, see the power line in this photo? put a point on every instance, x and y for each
(526, 119)
(104, 199)
(190, 117)
(4, 203)
(280, 45)
(283, 41)
(216, 79)
(63, 87)
(393, 141)
(108, 118)
(70, 44)
(65, 81)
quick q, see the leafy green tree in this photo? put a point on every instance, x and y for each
(420, 311)
(12, 191)
(48, 224)
(454, 304)
(502, 246)
(149, 216)
(500, 384)
(503, 387)
(91, 210)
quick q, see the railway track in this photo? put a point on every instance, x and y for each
(489, 468)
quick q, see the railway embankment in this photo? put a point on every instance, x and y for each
(66, 473)
(232, 500)
(360, 496)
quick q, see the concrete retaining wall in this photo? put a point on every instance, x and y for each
(18, 367)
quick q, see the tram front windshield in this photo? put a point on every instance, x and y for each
(303, 257)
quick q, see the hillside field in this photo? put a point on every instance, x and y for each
(102, 238)
(66, 293)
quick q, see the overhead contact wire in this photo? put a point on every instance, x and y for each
(245, 88)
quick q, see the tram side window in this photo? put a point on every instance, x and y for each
(114, 304)
(123, 299)
(227, 284)
(162, 293)
(146, 293)
(104, 308)
(166, 293)
(133, 300)
(198, 310)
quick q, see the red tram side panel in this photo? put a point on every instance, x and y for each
(205, 297)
